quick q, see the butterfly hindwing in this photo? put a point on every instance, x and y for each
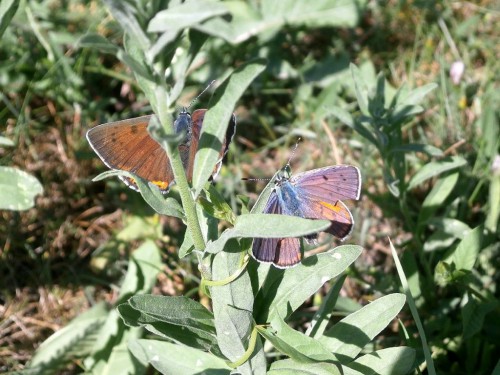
(282, 252)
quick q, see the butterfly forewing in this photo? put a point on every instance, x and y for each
(340, 182)
(126, 145)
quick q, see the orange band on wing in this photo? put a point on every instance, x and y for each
(163, 185)
(334, 207)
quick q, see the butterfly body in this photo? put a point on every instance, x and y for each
(315, 194)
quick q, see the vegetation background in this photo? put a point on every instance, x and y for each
(74, 246)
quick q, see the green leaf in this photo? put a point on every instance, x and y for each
(493, 202)
(217, 119)
(184, 15)
(75, 340)
(467, 251)
(8, 9)
(18, 188)
(261, 202)
(97, 41)
(232, 306)
(413, 309)
(321, 317)
(120, 360)
(318, 13)
(437, 196)
(177, 318)
(125, 14)
(214, 204)
(150, 192)
(187, 245)
(111, 346)
(295, 344)
(390, 361)
(267, 226)
(349, 336)
(247, 20)
(415, 147)
(342, 115)
(279, 295)
(177, 310)
(291, 367)
(435, 168)
(6, 141)
(473, 314)
(170, 358)
(360, 89)
(416, 96)
(283, 346)
(346, 118)
(146, 81)
(402, 113)
(144, 266)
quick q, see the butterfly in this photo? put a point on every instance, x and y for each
(315, 194)
(126, 145)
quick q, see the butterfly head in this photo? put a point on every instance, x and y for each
(183, 122)
(283, 175)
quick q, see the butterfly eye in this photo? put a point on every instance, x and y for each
(287, 171)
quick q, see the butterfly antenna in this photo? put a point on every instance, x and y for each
(255, 179)
(200, 94)
(293, 151)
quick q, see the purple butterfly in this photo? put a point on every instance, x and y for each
(315, 194)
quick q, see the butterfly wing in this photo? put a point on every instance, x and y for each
(321, 191)
(339, 182)
(127, 145)
(282, 252)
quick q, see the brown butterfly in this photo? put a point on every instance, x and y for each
(126, 145)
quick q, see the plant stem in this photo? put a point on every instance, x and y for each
(187, 200)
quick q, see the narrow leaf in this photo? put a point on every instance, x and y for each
(416, 96)
(75, 339)
(349, 336)
(415, 147)
(184, 15)
(390, 361)
(97, 41)
(291, 367)
(280, 296)
(308, 347)
(8, 9)
(125, 14)
(437, 196)
(322, 316)
(435, 168)
(360, 89)
(217, 119)
(267, 226)
(170, 358)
